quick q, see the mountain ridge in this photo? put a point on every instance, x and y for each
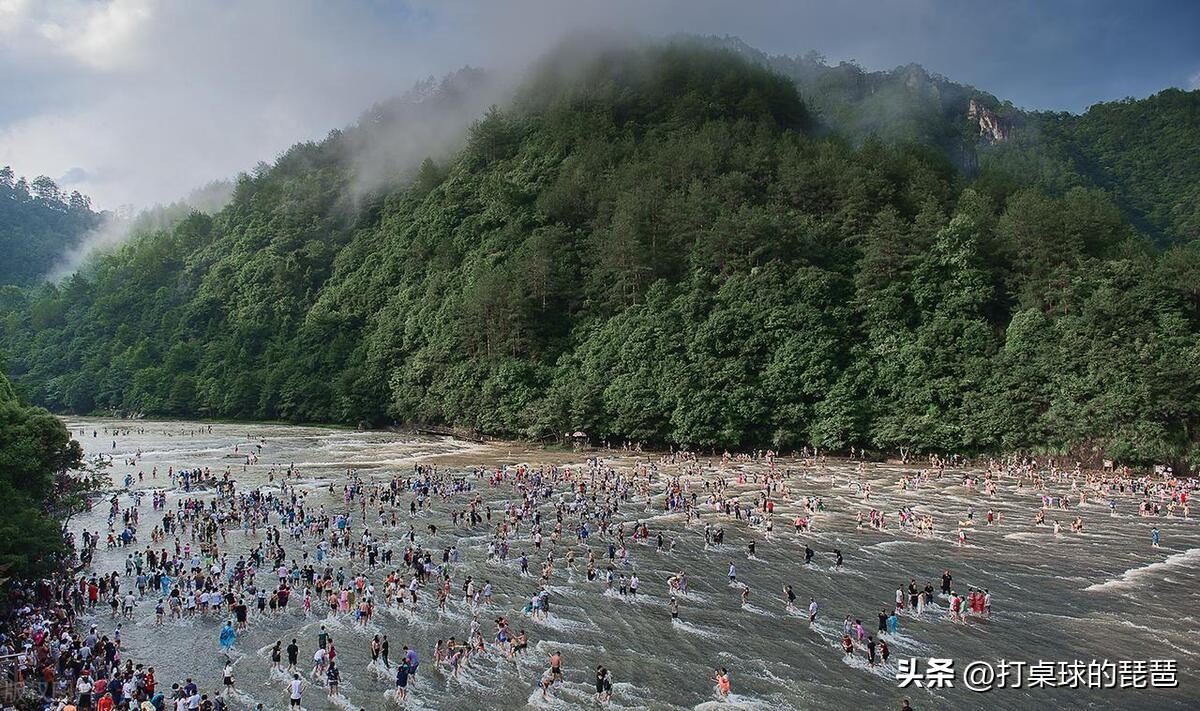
(1112, 145)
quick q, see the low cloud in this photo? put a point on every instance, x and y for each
(391, 139)
(113, 230)
(118, 226)
(74, 176)
(150, 98)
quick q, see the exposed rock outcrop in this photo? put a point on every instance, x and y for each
(992, 128)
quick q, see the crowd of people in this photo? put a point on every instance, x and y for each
(212, 549)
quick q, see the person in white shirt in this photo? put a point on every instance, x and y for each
(318, 662)
(295, 690)
(83, 687)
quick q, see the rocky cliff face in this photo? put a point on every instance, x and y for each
(991, 127)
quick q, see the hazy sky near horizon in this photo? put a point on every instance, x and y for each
(139, 101)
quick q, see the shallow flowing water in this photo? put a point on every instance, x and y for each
(1104, 593)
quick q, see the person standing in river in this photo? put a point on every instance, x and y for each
(603, 685)
(295, 691)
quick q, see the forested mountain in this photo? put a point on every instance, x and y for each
(905, 105)
(39, 223)
(1144, 153)
(663, 243)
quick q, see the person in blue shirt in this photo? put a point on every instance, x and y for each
(402, 673)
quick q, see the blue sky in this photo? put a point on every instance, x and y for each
(1049, 54)
(138, 101)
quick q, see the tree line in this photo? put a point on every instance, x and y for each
(39, 223)
(43, 482)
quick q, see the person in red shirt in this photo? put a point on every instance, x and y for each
(105, 703)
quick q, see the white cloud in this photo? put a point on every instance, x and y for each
(1195, 81)
(106, 36)
(100, 35)
(163, 97)
(12, 14)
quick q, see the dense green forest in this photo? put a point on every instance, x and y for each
(40, 468)
(1145, 154)
(39, 223)
(672, 244)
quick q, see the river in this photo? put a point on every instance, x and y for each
(1104, 593)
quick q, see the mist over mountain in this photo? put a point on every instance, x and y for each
(382, 150)
(687, 242)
